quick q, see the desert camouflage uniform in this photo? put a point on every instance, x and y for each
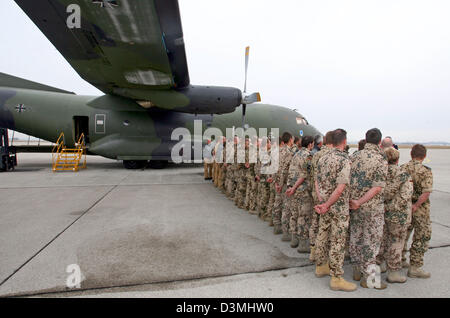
(314, 229)
(252, 185)
(294, 149)
(241, 177)
(369, 169)
(231, 167)
(272, 191)
(333, 168)
(299, 205)
(422, 182)
(397, 203)
(216, 165)
(263, 190)
(281, 179)
(223, 168)
(219, 159)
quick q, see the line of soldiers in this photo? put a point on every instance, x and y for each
(329, 204)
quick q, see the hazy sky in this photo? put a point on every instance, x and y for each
(350, 64)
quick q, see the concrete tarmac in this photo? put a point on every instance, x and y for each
(167, 233)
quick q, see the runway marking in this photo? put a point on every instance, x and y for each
(59, 234)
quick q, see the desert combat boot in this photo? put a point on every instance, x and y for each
(417, 272)
(339, 283)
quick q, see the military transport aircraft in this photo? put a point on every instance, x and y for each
(134, 52)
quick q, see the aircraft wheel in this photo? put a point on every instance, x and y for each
(134, 164)
(158, 164)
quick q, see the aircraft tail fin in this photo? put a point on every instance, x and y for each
(17, 82)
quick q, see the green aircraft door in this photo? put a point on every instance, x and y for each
(100, 123)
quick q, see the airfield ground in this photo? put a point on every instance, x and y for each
(167, 233)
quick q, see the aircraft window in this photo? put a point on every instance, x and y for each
(301, 121)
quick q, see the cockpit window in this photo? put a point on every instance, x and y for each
(301, 121)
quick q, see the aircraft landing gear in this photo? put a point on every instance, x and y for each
(134, 164)
(8, 159)
(141, 164)
(158, 164)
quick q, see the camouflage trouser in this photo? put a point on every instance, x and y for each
(330, 241)
(221, 178)
(271, 198)
(394, 235)
(241, 188)
(208, 170)
(300, 206)
(251, 194)
(421, 224)
(263, 194)
(314, 229)
(366, 233)
(230, 182)
(278, 207)
(216, 169)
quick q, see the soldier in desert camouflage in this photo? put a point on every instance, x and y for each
(242, 166)
(299, 200)
(262, 176)
(421, 224)
(285, 156)
(314, 229)
(397, 200)
(368, 179)
(332, 187)
(252, 185)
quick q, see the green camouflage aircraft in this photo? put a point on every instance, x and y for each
(134, 52)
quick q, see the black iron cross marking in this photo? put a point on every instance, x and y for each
(21, 108)
(106, 3)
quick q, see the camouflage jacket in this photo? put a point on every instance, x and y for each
(253, 157)
(397, 195)
(285, 155)
(263, 166)
(333, 168)
(315, 159)
(422, 178)
(369, 169)
(219, 153)
(300, 167)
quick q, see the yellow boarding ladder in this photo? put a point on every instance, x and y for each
(68, 159)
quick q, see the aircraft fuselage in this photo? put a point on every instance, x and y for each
(118, 128)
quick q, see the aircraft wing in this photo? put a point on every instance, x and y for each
(119, 46)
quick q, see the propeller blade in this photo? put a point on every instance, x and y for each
(247, 53)
(250, 99)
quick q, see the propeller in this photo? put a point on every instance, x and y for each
(251, 98)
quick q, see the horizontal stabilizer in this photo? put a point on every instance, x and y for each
(17, 82)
